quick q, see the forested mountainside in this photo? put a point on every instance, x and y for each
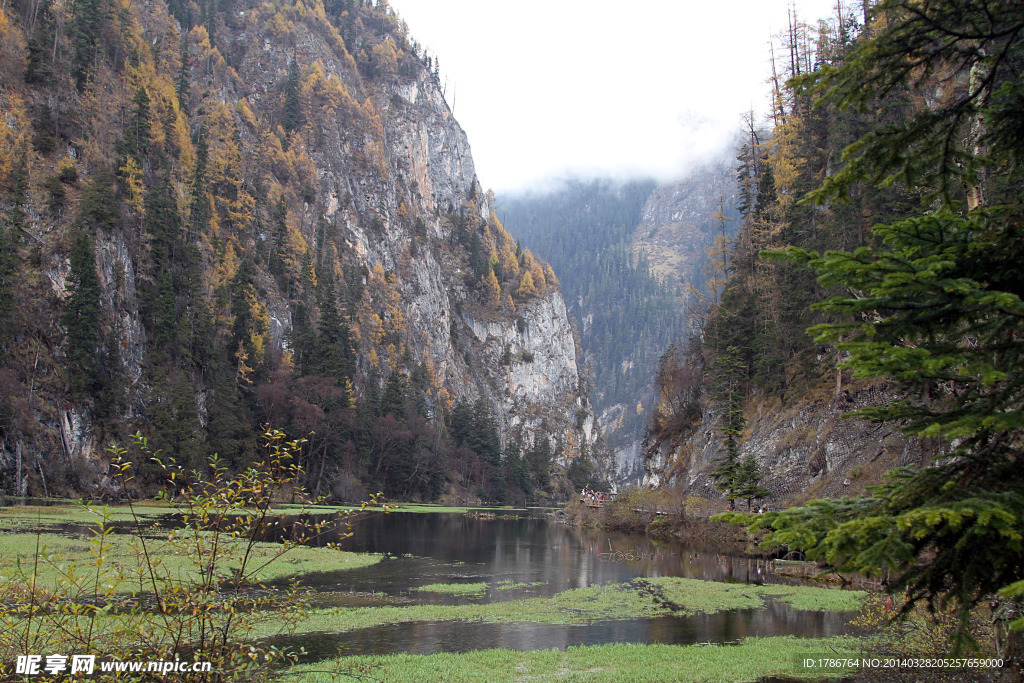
(753, 402)
(626, 315)
(222, 215)
(752, 382)
(904, 136)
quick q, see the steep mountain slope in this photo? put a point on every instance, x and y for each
(267, 216)
(679, 223)
(751, 387)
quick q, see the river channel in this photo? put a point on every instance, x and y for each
(544, 557)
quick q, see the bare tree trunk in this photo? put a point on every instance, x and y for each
(17, 477)
(65, 439)
(794, 49)
(320, 474)
(39, 466)
(839, 376)
(778, 108)
(980, 89)
(860, 213)
(1009, 642)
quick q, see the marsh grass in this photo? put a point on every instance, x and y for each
(641, 599)
(816, 599)
(20, 518)
(466, 589)
(397, 507)
(689, 596)
(476, 589)
(614, 602)
(62, 556)
(509, 584)
(577, 606)
(751, 660)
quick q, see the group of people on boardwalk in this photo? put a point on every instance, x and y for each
(591, 498)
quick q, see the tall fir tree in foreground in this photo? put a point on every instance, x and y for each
(936, 308)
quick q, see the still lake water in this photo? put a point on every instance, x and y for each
(527, 547)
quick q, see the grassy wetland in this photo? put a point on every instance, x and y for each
(516, 569)
(53, 557)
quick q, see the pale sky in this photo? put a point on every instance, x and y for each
(550, 88)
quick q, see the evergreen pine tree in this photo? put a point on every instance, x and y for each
(749, 481)
(292, 118)
(8, 274)
(88, 20)
(183, 85)
(730, 377)
(81, 320)
(333, 355)
(137, 132)
(937, 308)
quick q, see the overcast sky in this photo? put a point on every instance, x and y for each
(551, 88)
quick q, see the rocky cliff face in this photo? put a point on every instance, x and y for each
(307, 145)
(804, 450)
(678, 222)
(426, 170)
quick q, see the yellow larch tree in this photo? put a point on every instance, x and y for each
(131, 173)
(385, 58)
(492, 290)
(13, 127)
(507, 304)
(526, 288)
(537, 271)
(549, 276)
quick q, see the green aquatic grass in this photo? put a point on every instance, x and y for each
(476, 589)
(576, 606)
(25, 517)
(392, 507)
(17, 517)
(418, 507)
(642, 599)
(467, 589)
(509, 584)
(62, 557)
(814, 598)
(751, 660)
(689, 596)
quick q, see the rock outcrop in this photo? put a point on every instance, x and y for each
(678, 222)
(804, 450)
